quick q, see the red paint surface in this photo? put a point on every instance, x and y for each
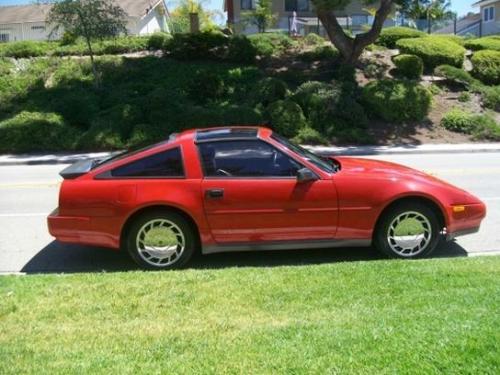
(344, 205)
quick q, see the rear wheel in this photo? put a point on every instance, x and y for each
(161, 240)
(408, 230)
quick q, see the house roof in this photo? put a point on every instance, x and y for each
(38, 12)
(484, 2)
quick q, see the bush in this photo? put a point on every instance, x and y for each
(490, 96)
(310, 136)
(25, 49)
(267, 44)
(269, 90)
(489, 43)
(450, 38)
(481, 127)
(326, 52)
(158, 40)
(286, 117)
(409, 66)
(464, 97)
(313, 39)
(204, 46)
(241, 50)
(77, 106)
(206, 86)
(375, 70)
(454, 75)
(5, 66)
(486, 66)
(36, 131)
(458, 120)
(397, 101)
(330, 108)
(433, 51)
(390, 35)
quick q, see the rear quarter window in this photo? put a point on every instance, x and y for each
(167, 163)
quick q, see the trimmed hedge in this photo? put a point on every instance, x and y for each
(286, 117)
(397, 101)
(409, 66)
(481, 127)
(486, 66)
(390, 35)
(454, 75)
(488, 42)
(268, 44)
(433, 51)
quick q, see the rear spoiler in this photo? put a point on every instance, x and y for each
(78, 169)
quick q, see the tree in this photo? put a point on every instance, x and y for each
(262, 16)
(89, 19)
(180, 20)
(427, 10)
(349, 47)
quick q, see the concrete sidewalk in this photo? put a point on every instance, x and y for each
(69, 158)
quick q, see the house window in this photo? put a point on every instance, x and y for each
(40, 28)
(4, 38)
(297, 5)
(247, 4)
(488, 14)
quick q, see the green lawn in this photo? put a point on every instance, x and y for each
(428, 316)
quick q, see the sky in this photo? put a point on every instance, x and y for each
(460, 6)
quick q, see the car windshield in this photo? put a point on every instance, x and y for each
(325, 164)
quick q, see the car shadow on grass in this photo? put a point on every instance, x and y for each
(62, 258)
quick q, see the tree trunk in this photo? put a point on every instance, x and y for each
(352, 48)
(97, 79)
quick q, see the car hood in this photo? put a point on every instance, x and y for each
(379, 169)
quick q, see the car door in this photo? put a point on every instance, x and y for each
(251, 195)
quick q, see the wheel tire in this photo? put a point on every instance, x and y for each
(182, 229)
(381, 237)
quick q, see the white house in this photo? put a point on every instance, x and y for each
(490, 15)
(27, 22)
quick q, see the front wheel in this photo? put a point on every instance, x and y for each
(409, 230)
(161, 240)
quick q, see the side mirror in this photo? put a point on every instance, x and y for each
(305, 175)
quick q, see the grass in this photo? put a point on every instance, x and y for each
(427, 316)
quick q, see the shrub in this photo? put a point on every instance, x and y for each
(205, 86)
(481, 127)
(204, 45)
(375, 70)
(267, 44)
(77, 106)
(25, 49)
(269, 90)
(36, 131)
(286, 117)
(326, 52)
(5, 66)
(486, 66)
(313, 39)
(158, 40)
(390, 35)
(490, 96)
(409, 66)
(310, 136)
(489, 43)
(329, 106)
(397, 101)
(450, 38)
(464, 97)
(433, 51)
(454, 75)
(458, 120)
(241, 50)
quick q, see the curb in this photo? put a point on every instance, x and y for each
(68, 158)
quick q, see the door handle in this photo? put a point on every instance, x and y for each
(214, 193)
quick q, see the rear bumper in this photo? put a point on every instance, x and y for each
(79, 230)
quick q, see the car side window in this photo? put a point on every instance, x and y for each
(163, 164)
(245, 159)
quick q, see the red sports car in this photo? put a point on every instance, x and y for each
(247, 188)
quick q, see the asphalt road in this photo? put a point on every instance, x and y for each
(29, 193)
